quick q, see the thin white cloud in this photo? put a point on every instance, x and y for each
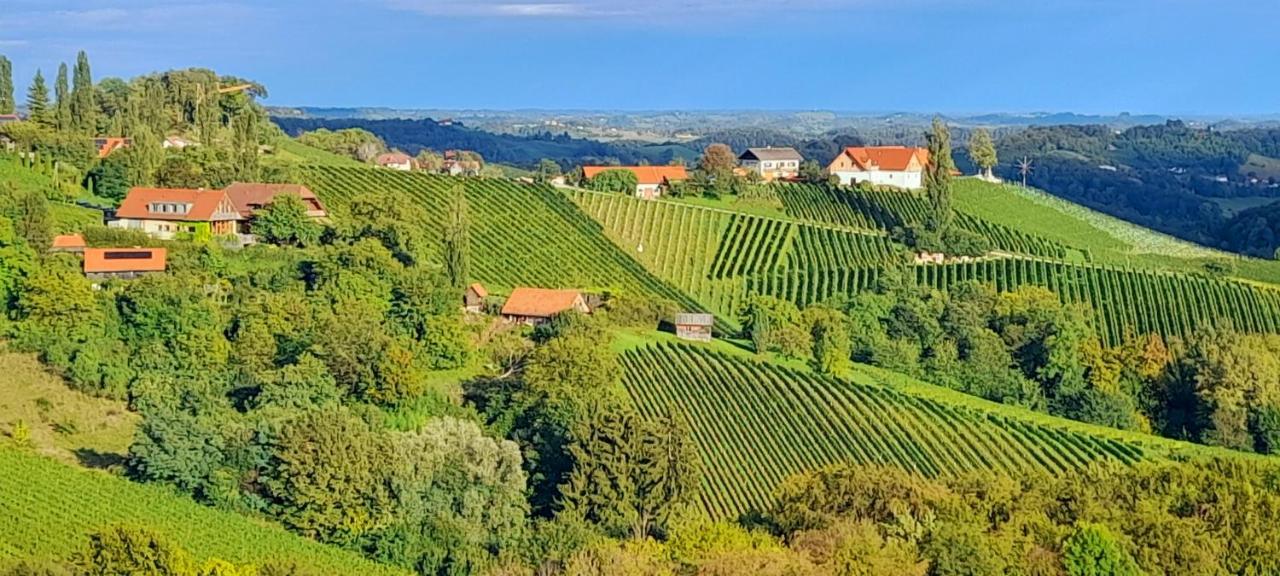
(624, 8)
(12, 43)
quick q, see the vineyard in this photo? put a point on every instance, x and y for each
(48, 510)
(881, 209)
(521, 235)
(756, 423)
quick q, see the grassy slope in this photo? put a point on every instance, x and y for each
(1109, 240)
(67, 217)
(63, 423)
(48, 508)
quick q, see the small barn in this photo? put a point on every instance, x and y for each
(107, 263)
(534, 306)
(67, 243)
(694, 326)
(473, 299)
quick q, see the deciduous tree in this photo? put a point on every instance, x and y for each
(983, 151)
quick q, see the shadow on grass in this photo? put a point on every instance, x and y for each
(91, 458)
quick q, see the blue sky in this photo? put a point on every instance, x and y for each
(950, 56)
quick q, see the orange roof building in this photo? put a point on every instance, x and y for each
(106, 146)
(67, 243)
(164, 212)
(102, 263)
(537, 305)
(395, 161)
(899, 166)
(248, 198)
(650, 180)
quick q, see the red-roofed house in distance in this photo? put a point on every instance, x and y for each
(473, 299)
(651, 181)
(106, 146)
(107, 263)
(395, 161)
(67, 243)
(534, 306)
(247, 198)
(166, 212)
(898, 166)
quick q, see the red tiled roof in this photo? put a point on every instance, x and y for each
(108, 260)
(891, 158)
(479, 290)
(108, 145)
(645, 175)
(204, 204)
(540, 302)
(393, 158)
(250, 197)
(68, 241)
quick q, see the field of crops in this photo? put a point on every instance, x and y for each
(888, 209)
(48, 509)
(756, 423)
(521, 235)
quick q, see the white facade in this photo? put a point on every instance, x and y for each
(161, 229)
(648, 191)
(907, 180)
(404, 166)
(770, 169)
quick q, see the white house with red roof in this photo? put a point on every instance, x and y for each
(651, 181)
(395, 161)
(250, 197)
(898, 166)
(166, 212)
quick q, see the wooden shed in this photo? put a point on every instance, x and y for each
(694, 326)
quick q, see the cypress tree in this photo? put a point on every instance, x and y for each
(38, 100)
(82, 109)
(62, 99)
(7, 103)
(457, 240)
(937, 177)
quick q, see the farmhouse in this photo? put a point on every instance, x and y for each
(534, 306)
(694, 326)
(395, 161)
(473, 299)
(248, 198)
(772, 163)
(107, 263)
(67, 243)
(651, 181)
(106, 146)
(165, 212)
(881, 165)
(177, 142)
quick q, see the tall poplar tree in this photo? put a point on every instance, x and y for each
(38, 100)
(457, 240)
(82, 108)
(62, 99)
(937, 177)
(7, 103)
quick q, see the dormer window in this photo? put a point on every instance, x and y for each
(168, 207)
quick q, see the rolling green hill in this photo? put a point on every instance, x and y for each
(48, 509)
(754, 423)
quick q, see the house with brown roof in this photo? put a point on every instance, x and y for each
(772, 163)
(249, 197)
(898, 166)
(473, 299)
(67, 243)
(651, 181)
(166, 212)
(108, 263)
(534, 306)
(395, 161)
(696, 327)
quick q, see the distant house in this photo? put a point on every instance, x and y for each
(67, 243)
(473, 299)
(165, 212)
(694, 326)
(772, 163)
(455, 164)
(107, 263)
(395, 161)
(248, 198)
(177, 142)
(106, 146)
(651, 181)
(534, 306)
(7, 118)
(881, 165)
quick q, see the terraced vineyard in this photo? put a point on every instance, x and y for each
(48, 510)
(711, 254)
(1123, 301)
(521, 235)
(756, 423)
(889, 209)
